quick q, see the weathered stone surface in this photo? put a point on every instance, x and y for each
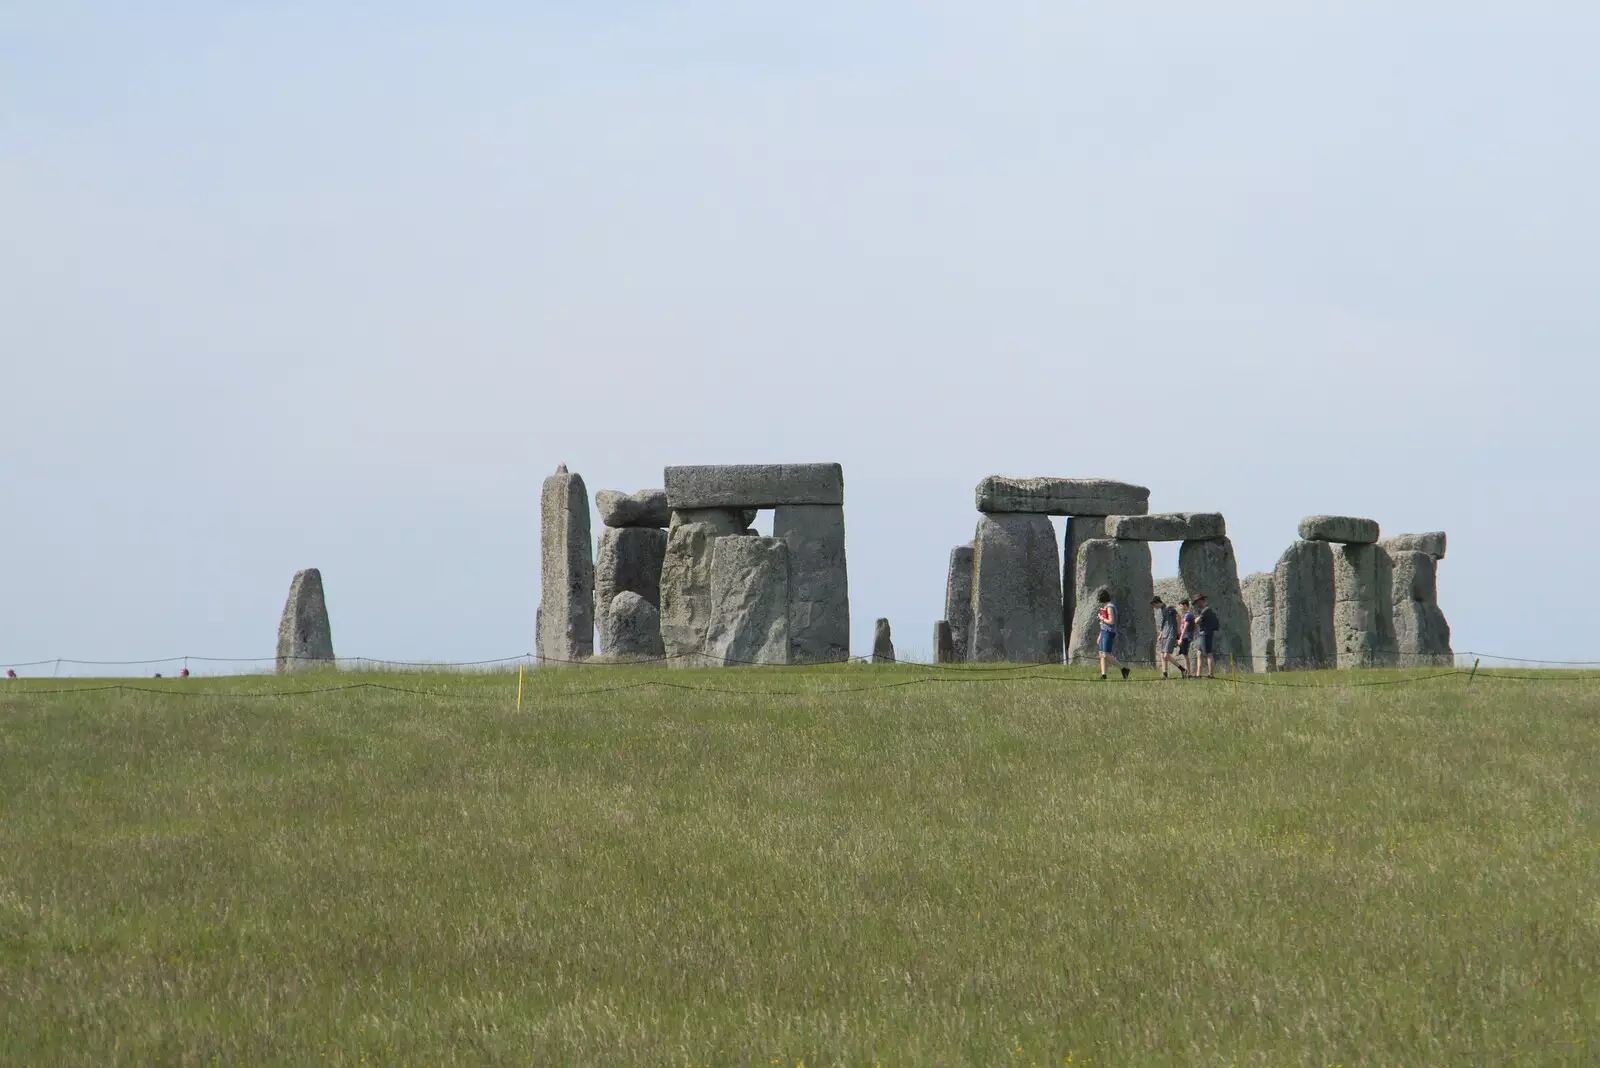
(1016, 594)
(1079, 529)
(1170, 590)
(1346, 529)
(1208, 567)
(819, 582)
(958, 599)
(720, 520)
(754, 485)
(944, 645)
(1167, 526)
(1257, 592)
(686, 591)
(629, 558)
(634, 626)
(882, 643)
(1061, 496)
(1363, 607)
(1124, 568)
(1432, 543)
(564, 632)
(305, 638)
(1422, 634)
(1302, 612)
(646, 508)
(749, 601)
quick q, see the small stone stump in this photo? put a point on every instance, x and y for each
(882, 643)
(944, 645)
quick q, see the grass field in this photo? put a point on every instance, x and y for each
(1006, 872)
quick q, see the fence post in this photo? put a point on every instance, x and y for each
(1474, 672)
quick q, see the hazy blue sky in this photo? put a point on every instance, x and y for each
(337, 285)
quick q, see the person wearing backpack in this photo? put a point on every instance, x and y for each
(1167, 636)
(1209, 625)
(1108, 630)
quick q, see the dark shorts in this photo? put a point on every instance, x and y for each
(1183, 647)
(1108, 639)
(1208, 643)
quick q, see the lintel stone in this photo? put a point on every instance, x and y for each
(1000, 494)
(1167, 526)
(1347, 529)
(753, 485)
(1432, 543)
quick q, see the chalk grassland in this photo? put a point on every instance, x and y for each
(1023, 872)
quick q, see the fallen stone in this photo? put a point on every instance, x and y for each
(819, 582)
(646, 508)
(749, 601)
(1257, 592)
(1345, 529)
(564, 632)
(305, 638)
(686, 591)
(754, 485)
(1302, 607)
(1208, 567)
(882, 643)
(944, 645)
(958, 599)
(1016, 591)
(1432, 543)
(1079, 529)
(1422, 634)
(1124, 568)
(1061, 496)
(1363, 607)
(1167, 526)
(628, 559)
(634, 626)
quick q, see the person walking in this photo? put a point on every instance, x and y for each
(1108, 630)
(1208, 625)
(1167, 637)
(1186, 631)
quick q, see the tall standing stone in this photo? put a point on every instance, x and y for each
(1302, 598)
(305, 639)
(944, 645)
(1079, 529)
(958, 600)
(749, 601)
(1123, 567)
(1363, 607)
(629, 560)
(882, 643)
(565, 629)
(1208, 567)
(1257, 591)
(686, 591)
(1422, 635)
(819, 581)
(1016, 591)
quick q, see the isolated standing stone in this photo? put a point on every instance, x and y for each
(1079, 529)
(1208, 567)
(819, 581)
(1432, 542)
(686, 591)
(305, 640)
(1016, 591)
(1422, 635)
(629, 559)
(944, 645)
(634, 627)
(1363, 607)
(1124, 568)
(1061, 496)
(1257, 591)
(882, 643)
(646, 508)
(1302, 614)
(958, 599)
(565, 628)
(749, 601)
(754, 485)
(1167, 526)
(1346, 529)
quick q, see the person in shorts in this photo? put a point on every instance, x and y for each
(1208, 625)
(1108, 630)
(1186, 632)
(1167, 636)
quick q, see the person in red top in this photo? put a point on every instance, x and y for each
(1108, 630)
(11, 673)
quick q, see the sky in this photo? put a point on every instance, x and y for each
(337, 285)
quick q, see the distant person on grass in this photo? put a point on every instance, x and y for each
(11, 673)
(1167, 640)
(1186, 630)
(1209, 625)
(1108, 630)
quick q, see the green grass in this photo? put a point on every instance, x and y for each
(1023, 872)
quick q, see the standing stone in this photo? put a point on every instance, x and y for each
(1124, 568)
(565, 629)
(1016, 591)
(1422, 635)
(629, 559)
(634, 625)
(1363, 607)
(646, 508)
(944, 644)
(686, 591)
(1257, 591)
(1302, 607)
(749, 601)
(1080, 528)
(819, 581)
(305, 640)
(958, 600)
(1208, 566)
(882, 643)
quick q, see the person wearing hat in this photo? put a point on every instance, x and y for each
(1167, 638)
(1208, 624)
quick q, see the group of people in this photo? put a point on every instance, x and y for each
(1185, 640)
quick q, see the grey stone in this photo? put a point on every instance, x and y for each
(1208, 567)
(1363, 607)
(1167, 526)
(1079, 529)
(958, 599)
(721, 520)
(565, 628)
(1016, 591)
(628, 559)
(1302, 607)
(944, 644)
(754, 485)
(882, 643)
(1422, 634)
(1061, 496)
(634, 626)
(1346, 529)
(305, 639)
(1124, 568)
(1170, 590)
(646, 508)
(686, 591)
(749, 601)
(819, 582)
(1257, 592)
(1432, 543)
